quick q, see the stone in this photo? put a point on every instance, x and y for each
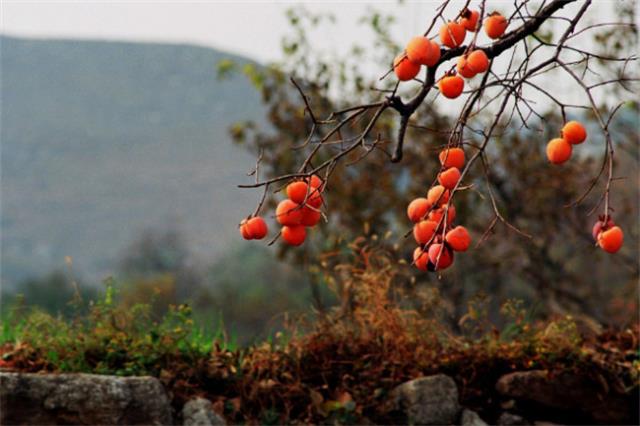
(199, 412)
(510, 419)
(471, 418)
(429, 400)
(82, 399)
(568, 391)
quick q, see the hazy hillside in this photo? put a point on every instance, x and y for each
(101, 140)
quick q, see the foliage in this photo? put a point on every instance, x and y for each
(108, 339)
(338, 368)
(368, 196)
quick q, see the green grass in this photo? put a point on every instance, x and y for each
(108, 338)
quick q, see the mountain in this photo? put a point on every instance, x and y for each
(102, 140)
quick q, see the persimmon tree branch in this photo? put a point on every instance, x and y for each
(507, 100)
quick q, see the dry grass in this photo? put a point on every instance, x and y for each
(344, 363)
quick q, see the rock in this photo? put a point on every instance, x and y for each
(429, 400)
(510, 419)
(199, 412)
(82, 399)
(568, 391)
(471, 418)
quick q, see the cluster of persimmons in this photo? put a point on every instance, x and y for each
(608, 236)
(433, 218)
(299, 211)
(422, 51)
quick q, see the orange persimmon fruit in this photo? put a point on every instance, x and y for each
(470, 20)
(440, 256)
(435, 54)
(257, 228)
(405, 69)
(600, 226)
(464, 68)
(294, 235)
(458, 238)
(316, 182)
(424, 230)
(478, 61)
(495, 25)
(417, 209)
(611, 240)
(452, 157)
(310, 216)
(244, 230)
(421, 259)
(449, 178)
(297, 191)
(451, 86)
(558, 150)
(419, 50)
(438, 195)
(288, 213)
(452, 34)
(574, 132)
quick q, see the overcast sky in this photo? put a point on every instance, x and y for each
(253, 29)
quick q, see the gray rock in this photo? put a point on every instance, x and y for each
(510, 419)
(82, 399)
(199, 412)
(471, 418)
(568, 391)
(429, 400)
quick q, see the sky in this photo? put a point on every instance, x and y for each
(254, 29)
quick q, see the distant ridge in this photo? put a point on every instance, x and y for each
(103, 139)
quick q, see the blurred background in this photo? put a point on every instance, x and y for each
(127, 126)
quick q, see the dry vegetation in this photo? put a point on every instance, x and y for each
(338, 367)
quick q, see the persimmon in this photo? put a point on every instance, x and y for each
(297, 191)
(244, 230)
(600, 226)
(421, 259)
(558, 150)
(452, 34)
(316, 182)
(611, 240)
(436, 215)
(458, 238)
(440, 261)
(451, 215)
(438, 195)
(464, 68)
(435, 54)
(257, 228)
(449, 178)
(451, 86)
(424, 230)
(417, 209)
(574, 132)
(470, 20)
(495, 25)
(310, 216)
(478, 61)
(452, 157)
(294, 235)
(419, 50)
(315, 200)
(288, 213)
(405, 69)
